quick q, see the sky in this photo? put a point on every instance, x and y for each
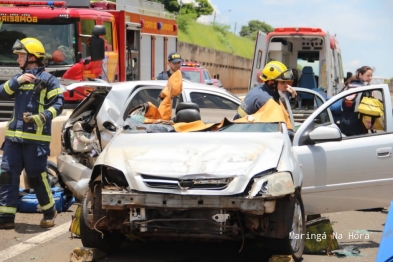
(364, 29)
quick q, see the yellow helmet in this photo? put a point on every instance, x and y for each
(29, 46)
(276, 71)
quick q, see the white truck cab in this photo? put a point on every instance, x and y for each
(314, 53)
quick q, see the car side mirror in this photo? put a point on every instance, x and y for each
(325, 134)
(209, 82)
(97, 44)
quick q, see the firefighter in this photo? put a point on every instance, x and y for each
(38, 99)
(276, 77)
(174, 63)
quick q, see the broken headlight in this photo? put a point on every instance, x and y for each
(112, 176)
(276, 184)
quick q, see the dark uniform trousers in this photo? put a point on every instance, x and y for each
(33, 158)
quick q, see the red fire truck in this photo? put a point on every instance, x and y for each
(139, 36)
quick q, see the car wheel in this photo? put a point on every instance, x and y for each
(53, 174)
(294, 243)
(94, 238)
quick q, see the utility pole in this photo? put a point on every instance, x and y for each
(234, 30)
(214, 19)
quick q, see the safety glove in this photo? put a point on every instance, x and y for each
(38, 119)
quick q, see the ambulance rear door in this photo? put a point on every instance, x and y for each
(259, 58)
(338, 68)
(327, 70)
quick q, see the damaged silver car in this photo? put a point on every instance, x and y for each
(239, 182)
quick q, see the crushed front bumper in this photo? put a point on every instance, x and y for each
(117, 200)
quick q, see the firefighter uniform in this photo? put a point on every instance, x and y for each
(255, 99)
(26, 144)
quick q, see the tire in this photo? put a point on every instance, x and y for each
(111, 241)
(53, 173)
(295, 245)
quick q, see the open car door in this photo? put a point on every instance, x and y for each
(259, 58)
(345, 173)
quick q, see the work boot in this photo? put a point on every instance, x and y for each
(49, 218)
(7, 222)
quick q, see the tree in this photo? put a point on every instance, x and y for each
(203, 7)
(245, 31)
(170, 5)
(188, 9)
(192, 10)
(253, 27)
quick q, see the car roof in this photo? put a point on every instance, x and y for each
(187, 85)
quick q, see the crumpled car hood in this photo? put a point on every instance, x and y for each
(193, 155)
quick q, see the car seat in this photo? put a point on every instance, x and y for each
(187, 112)
(307, 79)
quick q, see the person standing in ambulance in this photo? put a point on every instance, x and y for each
(38, 100)
(350, 123)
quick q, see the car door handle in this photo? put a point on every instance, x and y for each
(384, 152)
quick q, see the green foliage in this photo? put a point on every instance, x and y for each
(211, 37)
(170, 5)
(203, 7)
(188, 8)
(388, 81)
(222, 28)
(253, 27)
(221, 31)
(245, 31)
(184, 20)
(198, 8)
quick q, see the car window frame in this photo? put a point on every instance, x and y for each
(308, 125)
(146, 87)
(234, 101)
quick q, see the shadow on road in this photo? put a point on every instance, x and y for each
(187, 252)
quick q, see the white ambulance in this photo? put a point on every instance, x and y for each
(314, 53)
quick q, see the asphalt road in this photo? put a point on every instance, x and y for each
(28, 242)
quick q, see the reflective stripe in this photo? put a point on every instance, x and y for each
(53, 111)
(20, 134)
(39, 124)
(42, 101)
(48, 191)
(7, 88)
(52, 93)
(241, 112)
(12, 119)
(7, 210)
(27, 87)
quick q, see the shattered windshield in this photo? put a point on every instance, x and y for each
(58, 40)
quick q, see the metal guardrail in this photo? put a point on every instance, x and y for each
(6, 109)
(144, 7)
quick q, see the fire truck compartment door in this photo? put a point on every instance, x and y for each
(133, 26)
(145, 53)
